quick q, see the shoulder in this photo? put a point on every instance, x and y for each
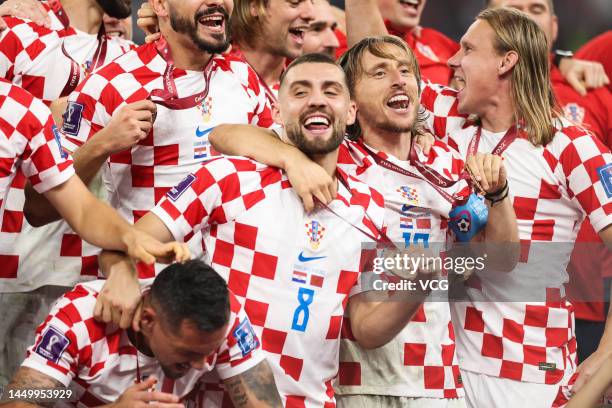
(572, 144)
(237, 68)
(228, 170)
(18, 101)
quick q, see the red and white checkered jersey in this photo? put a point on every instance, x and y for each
(420, 361)
(553, 188)
(100, 361)
(293, 271)
(29, 140)
(32, 56)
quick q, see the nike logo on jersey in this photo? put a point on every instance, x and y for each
(303, 258)
(200, 133)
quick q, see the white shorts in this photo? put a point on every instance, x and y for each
(485, 391)
(388, 401)
(22, 313)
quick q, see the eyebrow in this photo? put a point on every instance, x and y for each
(309, 84)
(386, 63)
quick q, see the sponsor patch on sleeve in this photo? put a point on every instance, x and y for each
(605, 175)
(72, 118)
(52, 345)
(175, 192)
(245, 336)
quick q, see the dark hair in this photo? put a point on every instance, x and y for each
(314, 58)
(352, 64)
(191, 291)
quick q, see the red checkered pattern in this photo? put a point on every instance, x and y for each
(29, 141)
(252, 224)
(138, 178)
(426, 365)
(31, 56)
(92, 355)
(553, 188)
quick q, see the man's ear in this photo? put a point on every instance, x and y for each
(276, 117)
(160, 7)
(352, 113)
(148, 319)
(508, 61)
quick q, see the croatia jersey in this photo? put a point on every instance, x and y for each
(29, 141)
(597, 49)
(553, 188)
(420, 361)
(293, 271)
(41, 59)
(36, 58)
(99, 362)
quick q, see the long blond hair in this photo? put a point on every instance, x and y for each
(534, 100)
(246, 26)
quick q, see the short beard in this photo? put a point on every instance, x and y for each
(190, 28)
(296, 136)
(116, 8)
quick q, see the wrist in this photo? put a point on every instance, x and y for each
(291, 156)
(499, 195)
(560, 55)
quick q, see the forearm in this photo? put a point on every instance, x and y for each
(374, 324)
(87, 161)
(605, 344)
(112, 261)
(501, 237)
(262, 145)
(363, 19)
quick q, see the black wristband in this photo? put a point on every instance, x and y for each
(559, 55)
(498, 195)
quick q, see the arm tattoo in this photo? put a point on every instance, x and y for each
(254, 387)
(27, 379)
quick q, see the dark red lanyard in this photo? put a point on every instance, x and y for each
(383, 239)
(435, 179)
(511, 135)
(99, 56)
(168, 97)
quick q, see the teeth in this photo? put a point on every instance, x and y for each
(399, 98)
(212, 18)
(319, 120)
(412, 2)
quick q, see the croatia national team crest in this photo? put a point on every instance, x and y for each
(574, 112)
(315, 232)
(427, 51)
(205, 107)
(409, 194)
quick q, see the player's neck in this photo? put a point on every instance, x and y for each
(393, 143)
(328, 161)
(498, 114)
(268, 66)
(84, 15)
(185, 54)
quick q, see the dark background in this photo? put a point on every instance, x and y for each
(579, 20)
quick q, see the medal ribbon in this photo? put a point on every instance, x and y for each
(168, 97)
(435, 179)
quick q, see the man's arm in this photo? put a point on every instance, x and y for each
(101, 226)
(363, 19)
(254, 388)
(130, 124)
(29, 379)
(308, 179)
(500, 236)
